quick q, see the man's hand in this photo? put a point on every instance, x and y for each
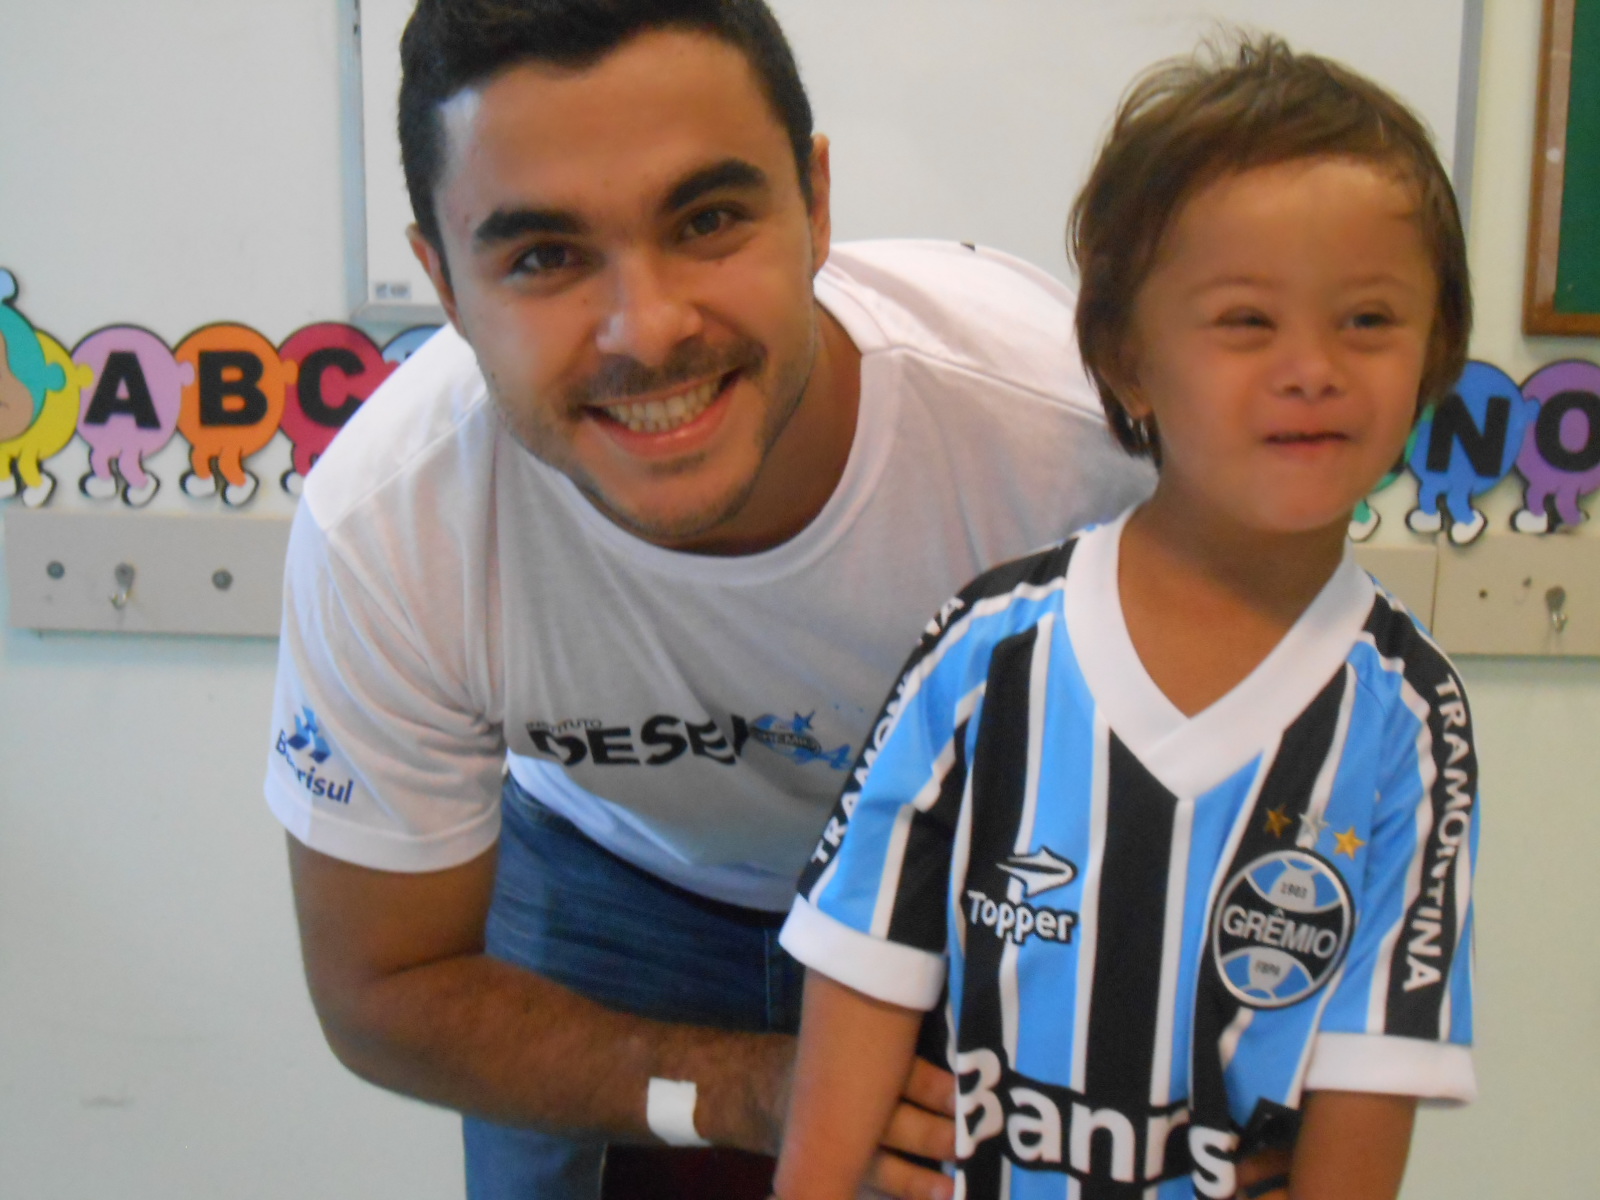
(923, 1125)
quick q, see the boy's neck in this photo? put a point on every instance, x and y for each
(1206, 602)
(1280, 573)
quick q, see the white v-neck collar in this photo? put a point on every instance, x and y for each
(1190, 755)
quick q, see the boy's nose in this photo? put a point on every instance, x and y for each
(1308, 368)
(647, 314)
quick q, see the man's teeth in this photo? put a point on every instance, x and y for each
(662, 416)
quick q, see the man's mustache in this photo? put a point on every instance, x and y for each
(619, 378)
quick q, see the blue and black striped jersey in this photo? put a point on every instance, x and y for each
(1153, 933)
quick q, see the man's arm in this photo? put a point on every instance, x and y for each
(409, 1001)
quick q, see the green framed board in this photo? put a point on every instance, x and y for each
(1562, 293)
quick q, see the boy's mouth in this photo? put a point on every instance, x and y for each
(1315, 438)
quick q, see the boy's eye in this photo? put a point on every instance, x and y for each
(1373, 319)
(546, 258)
(1244, 319)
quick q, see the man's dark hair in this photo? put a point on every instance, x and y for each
(1189, 121)
(449, 45)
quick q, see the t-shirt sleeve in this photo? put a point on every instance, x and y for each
(1401, 1019)
(375, 759)
(871, 910)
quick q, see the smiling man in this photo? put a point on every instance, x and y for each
(589, 609)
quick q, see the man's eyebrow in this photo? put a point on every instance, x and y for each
(730, 173)
(507, 224)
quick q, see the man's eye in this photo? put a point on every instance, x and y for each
(545, 258)
(708, 222)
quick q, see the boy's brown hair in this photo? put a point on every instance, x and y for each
(1187, 122)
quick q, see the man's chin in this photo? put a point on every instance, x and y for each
(708, 525)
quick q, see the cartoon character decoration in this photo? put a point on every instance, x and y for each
(332, 370)
(229, 392)
(231, 407)
(24, 457)
(24, 375)
(133, 388)
(1463, 447)
(38, 402)
(407, 342)
(1561, 458)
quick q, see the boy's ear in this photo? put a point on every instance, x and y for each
(1122, 374)
(1124, 381)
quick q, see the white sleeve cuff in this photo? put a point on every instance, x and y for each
(883, 970)
(1398, 1066)
(381, 849)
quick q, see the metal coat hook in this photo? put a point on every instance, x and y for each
(124, 577)
(1556, 601)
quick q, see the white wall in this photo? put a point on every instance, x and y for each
(170, 163)
(1538, 965)
(174, 162)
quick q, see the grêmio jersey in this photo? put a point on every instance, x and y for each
(455, 608)
(1152, 933)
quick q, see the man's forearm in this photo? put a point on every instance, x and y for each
(408, 1000)
(478, 1035)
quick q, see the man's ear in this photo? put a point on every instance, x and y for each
(821, 214)
(432, 261)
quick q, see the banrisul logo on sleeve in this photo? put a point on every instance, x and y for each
(1281, 928)
(306, 750)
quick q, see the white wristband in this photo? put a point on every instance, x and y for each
(669, 1111)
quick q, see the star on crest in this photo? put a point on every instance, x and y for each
(1312, 826)
(1348, 842)
(1278, 821)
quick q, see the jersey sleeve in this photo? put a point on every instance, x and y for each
(374, 759)
(1401, 1019)
(871, 909)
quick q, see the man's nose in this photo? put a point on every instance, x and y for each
(648, 312)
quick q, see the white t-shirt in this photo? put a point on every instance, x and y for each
(454, 607)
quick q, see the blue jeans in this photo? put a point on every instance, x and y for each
(580, 916)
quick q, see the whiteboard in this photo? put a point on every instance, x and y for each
(974, 120)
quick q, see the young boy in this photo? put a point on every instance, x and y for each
(1176, 820)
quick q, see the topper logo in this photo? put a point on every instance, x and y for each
(1041, 871)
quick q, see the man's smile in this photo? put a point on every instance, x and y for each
(665, 414)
